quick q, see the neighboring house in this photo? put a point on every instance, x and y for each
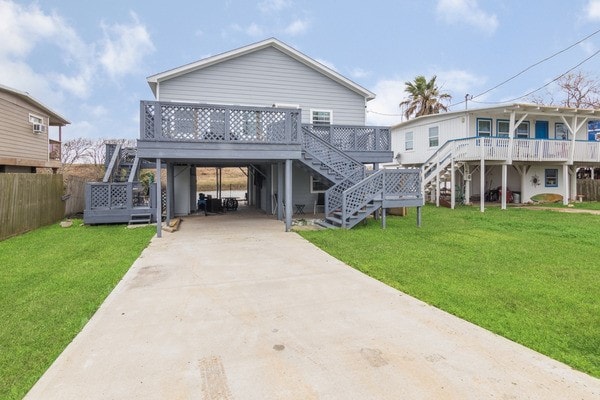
(297, 125)
(24, 141)
(479, 154)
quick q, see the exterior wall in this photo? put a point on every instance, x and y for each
(449, 128)
(494, 179)
(182, 190)
(264, 78)
(17, 140)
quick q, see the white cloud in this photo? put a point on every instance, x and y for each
(458, 81)
(297, 27)
(20, 76)
(124, 47)
(268, 6)
(326, 63)
(466, 12)
(358, 73)
(592, 10)
(384, 109)
(254, 30)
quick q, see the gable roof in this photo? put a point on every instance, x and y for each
(535, 109)
(272, 42)
(55, 118)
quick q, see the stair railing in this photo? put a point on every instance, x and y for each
(359, 195)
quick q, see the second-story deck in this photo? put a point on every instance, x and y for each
(505, 150)
(220, 133)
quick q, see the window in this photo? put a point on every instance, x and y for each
(484, 127)
(320, 117)
(551, 177)
(560, 131)
(408, 141)
(317, 186)
(523, 130)
(434, 136)
(503, 128)
(34, 119)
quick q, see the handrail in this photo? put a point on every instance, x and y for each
(192, 122)
(353, 137)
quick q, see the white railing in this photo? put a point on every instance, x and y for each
(499, 149)
(587, 151)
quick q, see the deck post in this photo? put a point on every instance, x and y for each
(482, 184)
(573, 192)
(504, 178)
(158, 200)
(288, 195)
(383, 219)
(419, 217)
(566, 184)
(170, 191)
(452, 184)
(279, 191)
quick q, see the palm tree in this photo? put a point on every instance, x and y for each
(424, 98)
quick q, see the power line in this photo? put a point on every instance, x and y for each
(543, 86)
(527, 69)
(537, 63)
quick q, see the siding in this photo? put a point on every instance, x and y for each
(263, 78)
(17, 139)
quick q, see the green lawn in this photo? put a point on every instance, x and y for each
(530, 275)
(52, 280)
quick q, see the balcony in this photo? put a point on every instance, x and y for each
(524, 150)
(54, 151)
(238, 132)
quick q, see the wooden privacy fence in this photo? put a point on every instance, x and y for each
(28, 201)
(589, 188)
(75, 193)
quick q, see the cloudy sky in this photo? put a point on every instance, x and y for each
(88, 60)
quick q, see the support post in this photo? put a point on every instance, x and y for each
(504, 189)
(288, 195)
(452, 184)
(280, 191)
(383, 219)
(566, 184)
(158, 199)
(467, 174)
(170, 191)
(573, 178)
(418, 217)
(482, 184)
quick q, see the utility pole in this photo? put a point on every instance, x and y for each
(467, 98)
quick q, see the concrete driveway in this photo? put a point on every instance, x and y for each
(232, 307)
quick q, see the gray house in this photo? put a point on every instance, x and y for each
(297, 125)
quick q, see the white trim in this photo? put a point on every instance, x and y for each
(154, 80)
(319, 110)
(312, 180)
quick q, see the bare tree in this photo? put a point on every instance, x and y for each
(574, 90)
(75, 151)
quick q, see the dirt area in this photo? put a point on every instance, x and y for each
(206, 178)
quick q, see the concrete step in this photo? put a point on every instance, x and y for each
(145, 218)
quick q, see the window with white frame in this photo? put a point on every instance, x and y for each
(503, 128)
(321, 117)
(434, 136)
(551, 177)
(35, 119)
(408, 141)
(522, 131)
(484, 127)
(317, 185)
(560, 131)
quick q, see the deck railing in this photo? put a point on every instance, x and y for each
(168, 121)
(189, 122)
(499, 149)
(122, 195)
(353, 138)
(54, 150)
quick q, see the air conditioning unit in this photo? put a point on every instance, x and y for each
(39, 128)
